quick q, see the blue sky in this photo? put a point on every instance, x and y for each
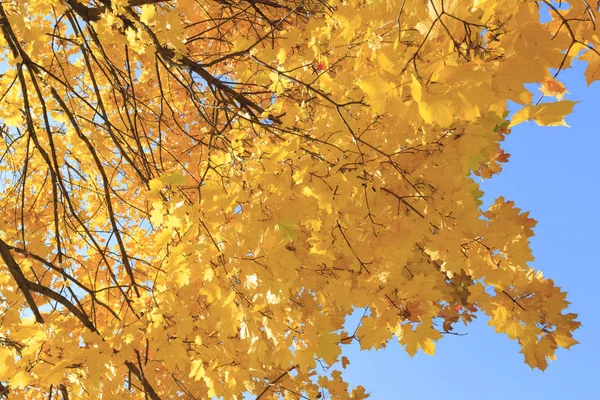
(553, 173)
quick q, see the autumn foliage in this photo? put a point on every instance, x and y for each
(196, 194)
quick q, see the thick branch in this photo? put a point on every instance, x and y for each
(18, 276)
(27, 286)
(148, 389)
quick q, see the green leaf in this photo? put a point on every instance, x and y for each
(287, 229)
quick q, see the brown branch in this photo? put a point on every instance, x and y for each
(274, 381)
(43, 290)
(28, 286)
(63, 391)
(513, 300)
(22, 282)
(362, 263)
(65, 276)
(402, 199)
(4, 390)
(148, 389)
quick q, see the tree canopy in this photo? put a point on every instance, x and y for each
(196, 194)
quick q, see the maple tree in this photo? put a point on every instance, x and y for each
(196, 194)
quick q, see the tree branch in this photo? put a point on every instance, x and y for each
(22, 282)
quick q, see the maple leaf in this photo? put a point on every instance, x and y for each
(328, 348)
(155, 185)
(433, 107)
(422, 337)
(148, 11)
(345, 362)
(592, 72)
(20, 380)
(552, 87)
(537, 352)
(545, 114)
(359, 393)
(176, 179)
(378, 91)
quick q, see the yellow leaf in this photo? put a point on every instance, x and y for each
(7, 363)
(419, 287)
(359, 393)
(243, 43)
(329, 349)
(378, 91)
(323, 200)
(148, 12)
(423, 337)
(281, 55)
(197, 371)
(536, 353)
(384, 62)
(209, 274)
(552, 87)
(176, 179)
(500, 314)
(373, 334)
(51, 374)
(564, 339)
(20, 379)
(592, 72)
(157, 213)
(545, 114)
(433, 108)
